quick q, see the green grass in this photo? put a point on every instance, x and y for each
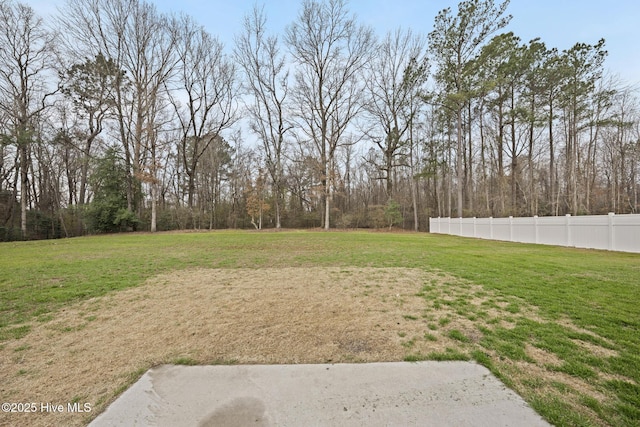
(457, 335)
(186, 361)
(597, 291)
(448, 355)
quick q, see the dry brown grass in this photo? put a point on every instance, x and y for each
(91, 351)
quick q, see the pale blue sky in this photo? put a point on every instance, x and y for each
(559, 23)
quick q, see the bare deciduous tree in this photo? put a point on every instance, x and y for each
(202, 94)
(331, 50)
(267, 79)
(26, 56)
(396, 76)
(141, 42)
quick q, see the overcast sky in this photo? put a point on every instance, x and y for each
(559, 23)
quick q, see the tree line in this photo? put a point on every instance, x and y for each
(116, 117)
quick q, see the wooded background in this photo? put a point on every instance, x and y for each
(115, 117)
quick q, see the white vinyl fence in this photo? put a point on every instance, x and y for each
(611, 232)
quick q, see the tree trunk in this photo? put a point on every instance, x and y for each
(154, 190)
(277, 203)
(552, 176)
(514, 158)
(470, 189)
(327, 196)
(460, 172)
(388, 171)
(154, 206)
(533, 208)
(277, 189)
(501, 156)
(24, 187)
(412, 180)
(484, 165)
(86, 155)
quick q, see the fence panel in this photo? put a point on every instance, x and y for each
(626, 233)
(590, 232)
(612, 232)
(523, 230)
(501, 229)
(483, 228)
(552, 230)
(467, 228)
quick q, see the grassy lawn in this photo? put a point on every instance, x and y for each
(567, 337)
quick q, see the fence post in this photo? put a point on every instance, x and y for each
(475, 234)
(535, 228)
(567, 226)
(611, 237)
(491, 227)
(511, 229)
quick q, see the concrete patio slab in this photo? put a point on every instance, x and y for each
(374, 394)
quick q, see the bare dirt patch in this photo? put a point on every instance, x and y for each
(92, 351)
